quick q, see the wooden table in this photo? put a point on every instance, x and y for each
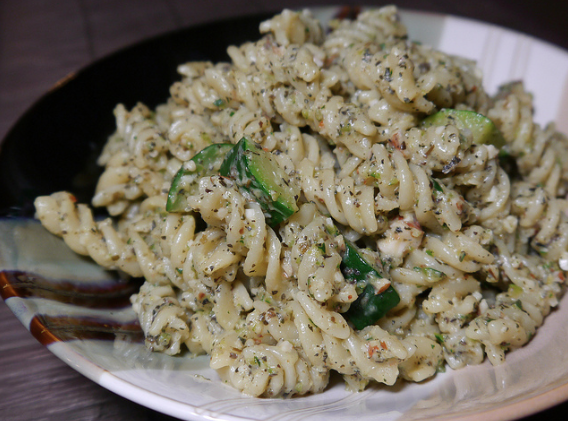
(41, 41)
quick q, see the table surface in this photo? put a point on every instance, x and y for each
(41, 41)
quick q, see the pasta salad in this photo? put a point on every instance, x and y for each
(346, 201)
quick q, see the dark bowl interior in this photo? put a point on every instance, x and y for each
(54, 145)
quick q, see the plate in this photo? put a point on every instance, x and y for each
(82, 313)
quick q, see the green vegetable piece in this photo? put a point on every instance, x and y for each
(518, 304)
(369, 306)
(482, 128)
(437, 186)
(255, 171)
(206, 162)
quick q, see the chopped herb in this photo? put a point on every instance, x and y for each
(165, 338)
(431, 273)
(530, 335)
(518, 304)
(437, 186)
(515, 290)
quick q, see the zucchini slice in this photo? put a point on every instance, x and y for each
(205, 162)
(370, 305)
(255, 171)
(482, 128)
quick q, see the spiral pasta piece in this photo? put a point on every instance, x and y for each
(161, 318)
(75, 224)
